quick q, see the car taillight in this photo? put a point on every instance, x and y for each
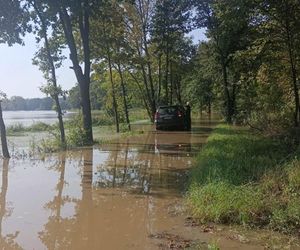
(179, 114)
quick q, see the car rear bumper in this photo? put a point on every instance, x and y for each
(169, 124)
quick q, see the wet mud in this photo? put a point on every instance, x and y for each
(126, 194)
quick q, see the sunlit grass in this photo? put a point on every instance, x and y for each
(246, 179)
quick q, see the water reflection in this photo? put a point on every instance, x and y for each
(108, 197)
(6, 241)
(53, 234)
(148, 166)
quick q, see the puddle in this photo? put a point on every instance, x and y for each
(126, 194)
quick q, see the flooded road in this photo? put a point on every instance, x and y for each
(126, 194)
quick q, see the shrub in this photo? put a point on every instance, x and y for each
(76, 135)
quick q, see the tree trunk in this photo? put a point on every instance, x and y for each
(5, 151)
(228, 102)
(124, 98)
(171, 83)
(144, 8)
(167, 79)
(178, 90)
(83, 78)
(86, 111)
(159, 79)
(145, 79)
(209, 107)
(152, 92)
(60, 121)
(293, 73)
(115, 105)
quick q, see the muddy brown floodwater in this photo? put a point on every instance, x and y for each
(127, 194)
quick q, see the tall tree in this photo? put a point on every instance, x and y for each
(109, 45)
(48, 58)
(227, 24)
(170, 22)
(138, 17)
(74, 17)
(103, 31)
(282, 26)
(13, 24)
(201, 77)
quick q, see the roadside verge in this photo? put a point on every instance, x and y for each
(248, 179)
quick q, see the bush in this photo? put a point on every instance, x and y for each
(76, 135)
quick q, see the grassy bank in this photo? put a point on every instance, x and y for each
(246, 179)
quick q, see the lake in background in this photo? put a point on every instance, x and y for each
(27, 118)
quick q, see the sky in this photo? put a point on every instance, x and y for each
(18, 77)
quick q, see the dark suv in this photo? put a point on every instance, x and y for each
(170, 117)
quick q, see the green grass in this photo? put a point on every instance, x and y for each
(246, 179)
(19, 129)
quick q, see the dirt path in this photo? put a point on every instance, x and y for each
(123, 195)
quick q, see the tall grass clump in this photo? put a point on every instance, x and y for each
(248, 179)
(75, 132)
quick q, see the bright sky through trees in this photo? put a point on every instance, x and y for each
(20, 78)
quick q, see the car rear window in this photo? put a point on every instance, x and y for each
(167, 110)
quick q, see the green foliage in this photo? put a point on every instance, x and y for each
(199, 84)
(75, 132)
(246, 179)
(168, 25)
(253, 62)
(13, 22)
